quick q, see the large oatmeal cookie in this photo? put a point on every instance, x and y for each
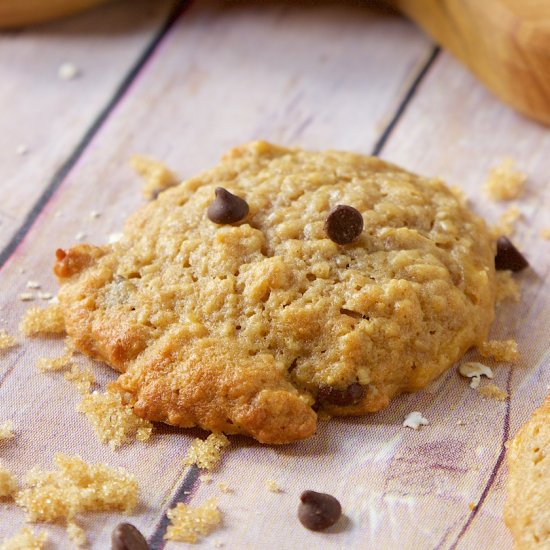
(250, 327)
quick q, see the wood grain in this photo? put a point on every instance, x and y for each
(49, 116)
(504, 42)
(331, 76)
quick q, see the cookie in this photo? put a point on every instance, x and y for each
(527, 509)
(250, 318)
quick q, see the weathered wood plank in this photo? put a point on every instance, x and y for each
(47, 116)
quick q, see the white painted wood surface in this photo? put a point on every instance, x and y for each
(325, 77)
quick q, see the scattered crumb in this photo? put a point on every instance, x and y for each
(94, 214)
(500, 350)
(458, 192)
(205, 478)
(472, 505)
(414, 420)
(461, 423)
(475, 371)
(76, 487)
(114, 237)
(6, 341)
(80, 236)
(507, 221)
(68, 71)
(218, 544)
(224, 488)
(187, 524)
(6, 430)
(208, 453)
(47, 320)
(113, 421)
(26, 296)
(156, 175)
(33, 285)
(8, 483)
(504, 181)
(83, 379)
(49, 364)
(25, 539)
(272, 486)
(545, 233)
(506, 287)
(22, 150)
(45, 295)
(493, 392)
(76, 534)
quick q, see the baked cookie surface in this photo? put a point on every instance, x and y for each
(527, 509)
(251, 327)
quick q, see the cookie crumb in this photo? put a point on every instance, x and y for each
(47, 320)
(26, 297)
(6, 430)
(76, 487)
(94, 214)
(414, 420)
(80, 236)
(50, 364)
(506, 287)
(475, 371)
(545, 233)
(224, 488)
(472, 506)
(272, 486)
(505, 182)
(33, 285)
(507, 222)
(460, 423)
(25, 539)
(187, 524)
(45, 295)
(156, 175)
(113, 421)
(8, 483)
(22, 150)
(6, 341)
(76, 534)
(207, 453)
(68, 71)
(491, 391)
(206, 478)
(500, 350)
(83, 379)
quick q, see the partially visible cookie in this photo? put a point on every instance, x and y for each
(527, 509)
(281, 282)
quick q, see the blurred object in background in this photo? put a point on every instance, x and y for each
(18, 13)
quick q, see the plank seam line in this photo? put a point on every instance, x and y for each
(62, 172)
(404, 103)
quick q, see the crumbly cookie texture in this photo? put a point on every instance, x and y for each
(6, 341)
(6, 429)
(8, 483)
(25, 539)
(40, 321)
(208, 453)
(241, 328)
(500, 350)
(526, 512)
(74, 488)
(187, 524)
(157, 176)
(505, 182)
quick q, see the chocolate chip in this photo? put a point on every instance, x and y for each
(508, 256)
(344, 224)
(127, 537)
(317, 511)
(226, 207)
(343, 398)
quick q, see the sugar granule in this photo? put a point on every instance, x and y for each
(25, 539)
(188, 524)
(492, 391)
(500, 350)
(156, 175)
(504, 181)
(113, 421)
(50, 364)
(272, 486)
(8, 483)
(6, 341)
(208, 453)
(47, 320)
(83, 379)
(76, 487)
(6, 429)
(506, 287)
(76, 534)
